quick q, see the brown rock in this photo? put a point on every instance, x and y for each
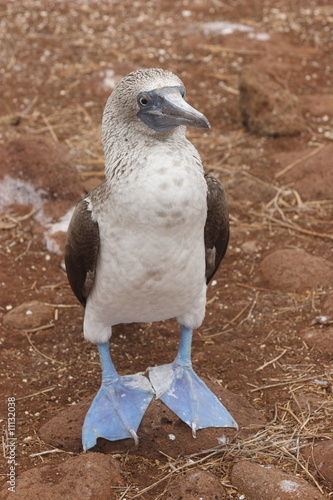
(268, 483)
(320, 337)
(267, 107)
(321, 457)
(29, 315)
(195, 485)
(87, 476)
(65, 428)
(294, 270)
(160, 428)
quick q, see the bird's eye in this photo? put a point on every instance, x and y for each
(143, 101)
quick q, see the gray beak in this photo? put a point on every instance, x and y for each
(165, 109)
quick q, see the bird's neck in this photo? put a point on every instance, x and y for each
(124, 151)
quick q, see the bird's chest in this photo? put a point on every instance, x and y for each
(154, 224)
(164, 196)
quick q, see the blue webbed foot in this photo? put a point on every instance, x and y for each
(180, 388)
(117, 410)
(118, 407)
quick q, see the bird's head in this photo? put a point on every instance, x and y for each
(151, 101)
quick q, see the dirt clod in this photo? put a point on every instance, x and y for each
(92, 475)
(295, 270)
(320, 457)
(268, 483)
(195, 485)
(267, 106)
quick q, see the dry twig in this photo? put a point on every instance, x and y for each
(297, 162)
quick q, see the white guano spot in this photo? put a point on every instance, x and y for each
(19, 192)
(288, 485)
(222, 440)
(262, 37)
(60, 226)
(224, 28)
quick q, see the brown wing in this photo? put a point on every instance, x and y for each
(217, 225)
(82, 246)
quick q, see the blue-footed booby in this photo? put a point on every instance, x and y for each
(142, 246)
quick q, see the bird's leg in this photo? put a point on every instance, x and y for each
(119, 405)
(180, 388)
